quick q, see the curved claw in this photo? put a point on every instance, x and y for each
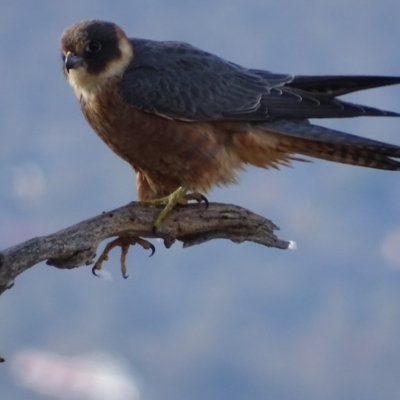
(125, 276)
(153, 250)
(94, 269)
(204, 198)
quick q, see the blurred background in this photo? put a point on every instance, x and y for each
(219, 320)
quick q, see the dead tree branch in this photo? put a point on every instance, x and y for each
(77, 245)
(192, 224)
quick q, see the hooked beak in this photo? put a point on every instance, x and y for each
(72, 61)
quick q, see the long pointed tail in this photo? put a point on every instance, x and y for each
(301, 137)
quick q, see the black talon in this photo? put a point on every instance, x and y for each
(125, 276)
(204, 198)
(153, 250)
(93, 271)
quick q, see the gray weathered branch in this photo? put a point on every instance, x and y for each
(192, 224)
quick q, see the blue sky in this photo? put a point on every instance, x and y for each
(219, 320)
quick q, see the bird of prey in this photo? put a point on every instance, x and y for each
(187, 120)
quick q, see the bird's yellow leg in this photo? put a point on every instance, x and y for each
(124, 242)
(177, 197)
(180, 196)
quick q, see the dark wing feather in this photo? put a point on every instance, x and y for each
(179, 81)
(338, 85)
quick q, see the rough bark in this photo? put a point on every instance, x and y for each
(192, 224)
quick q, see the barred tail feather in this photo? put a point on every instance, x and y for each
(301, 137)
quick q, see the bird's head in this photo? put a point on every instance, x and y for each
(93, 51)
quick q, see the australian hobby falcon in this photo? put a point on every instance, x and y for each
(187, 120)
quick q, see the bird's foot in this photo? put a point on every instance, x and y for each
(124, 242)
(180, 196)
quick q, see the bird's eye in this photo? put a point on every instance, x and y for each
(93, 46)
